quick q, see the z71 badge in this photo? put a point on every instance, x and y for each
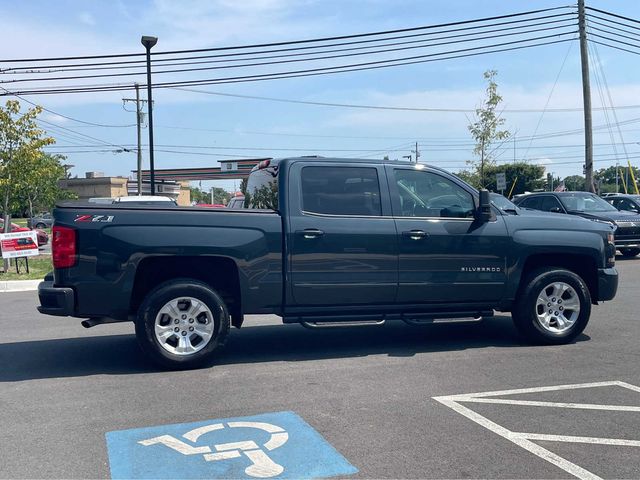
(94, 218)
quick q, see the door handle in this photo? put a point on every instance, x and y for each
(310, 233)
(416, 234)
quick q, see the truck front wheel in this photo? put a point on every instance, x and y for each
(553, 306)
(181, 323)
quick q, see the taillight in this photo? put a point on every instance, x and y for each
(63, 247)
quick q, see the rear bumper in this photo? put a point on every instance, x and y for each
(607, 283)
(57, 301)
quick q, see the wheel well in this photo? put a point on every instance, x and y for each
(581, 265)
(219, 273)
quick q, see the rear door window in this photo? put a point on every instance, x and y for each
(549, 203)
(532, 202)
(332, 190)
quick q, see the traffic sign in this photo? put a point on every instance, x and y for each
(270, 445)
(501, 181)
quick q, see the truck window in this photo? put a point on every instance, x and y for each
(338, 190)
(549, 203)
(262, 189)
(426, 194)
(534, 203)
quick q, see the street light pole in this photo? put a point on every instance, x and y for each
(148, 43)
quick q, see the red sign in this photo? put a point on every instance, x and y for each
(19, 244)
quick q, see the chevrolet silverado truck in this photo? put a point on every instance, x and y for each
(326, 242)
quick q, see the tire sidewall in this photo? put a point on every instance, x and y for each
(160, 296)
(526, 319)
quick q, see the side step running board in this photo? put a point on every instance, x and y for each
(430, 321)
(361, 323)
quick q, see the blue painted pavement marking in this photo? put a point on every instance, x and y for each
(271, 445)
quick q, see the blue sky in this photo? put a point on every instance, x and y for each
(528, 79)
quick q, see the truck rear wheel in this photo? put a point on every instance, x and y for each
(181, 323)
(553, 306)
(629, 252)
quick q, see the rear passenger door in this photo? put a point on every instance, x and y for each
(342, 247)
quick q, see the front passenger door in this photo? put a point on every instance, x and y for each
(445, 255)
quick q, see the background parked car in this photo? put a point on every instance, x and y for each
(236, 202)
(43, 238)
(592, 207)
(40, 221)
(629, 203)
(142, 200)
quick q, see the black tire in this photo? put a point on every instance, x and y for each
(525, 314)
(41, 226)
(629, 252)
(157, 299)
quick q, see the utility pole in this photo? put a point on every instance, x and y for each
(139, 120)
(586, 98)
(417, 152)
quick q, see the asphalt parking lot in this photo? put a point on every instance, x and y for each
(398, 401)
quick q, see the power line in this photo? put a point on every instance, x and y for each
(615, 40)
(294, 42)
(65, 116)
(593, 22)
(490, 35)
(241, 56)
(548, 98)
(426, 146)
(614, 47)
(326, 57)
(302, 73)
(613, 15)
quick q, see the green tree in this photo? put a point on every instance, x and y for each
(21, 142)
(574, 182)
(527, 177)
(220, 195)
(40, 190)
(243, 185)
(606, 178)
(485, 126)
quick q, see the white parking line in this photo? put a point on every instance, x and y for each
(532, 403)
(525, 440)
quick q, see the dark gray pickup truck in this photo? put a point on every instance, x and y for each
(323, 241)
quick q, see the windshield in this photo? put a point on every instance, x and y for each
(502, 203)
(585, 202)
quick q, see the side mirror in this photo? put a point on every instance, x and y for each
(555, 210)
(484, 210)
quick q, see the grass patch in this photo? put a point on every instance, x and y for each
(19, 221)
(38, 267)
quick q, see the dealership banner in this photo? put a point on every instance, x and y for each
(19, 244)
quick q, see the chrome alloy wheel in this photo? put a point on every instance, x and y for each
(557, 307)
(184, 326)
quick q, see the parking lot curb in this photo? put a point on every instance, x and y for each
(19, 286)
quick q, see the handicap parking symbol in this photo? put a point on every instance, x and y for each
(272, 445)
